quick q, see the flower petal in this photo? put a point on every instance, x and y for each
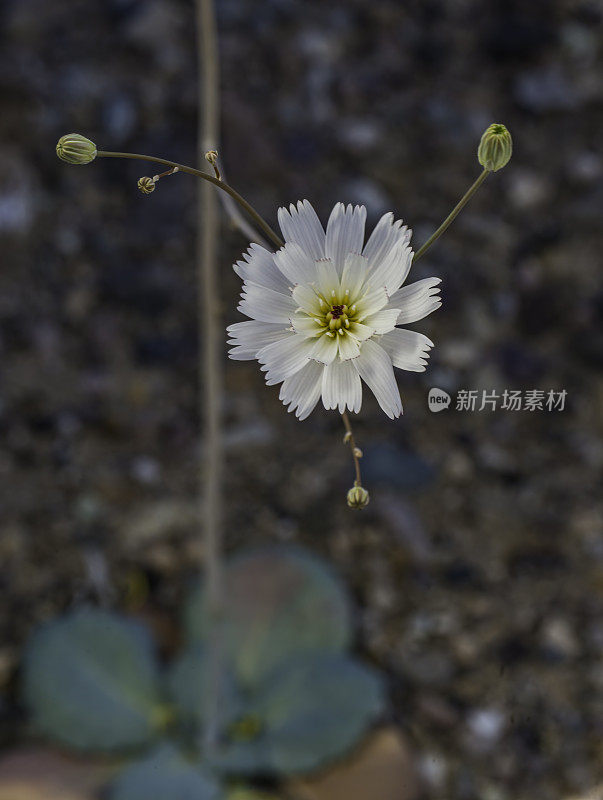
(375, 368)
(302, 390)
(345, 233)
(326, 279)
(374, 300)
(354, 275)
(306, 298)
(302, 226)
(416, 300)
(250, 336)
(393, 269)
(382, 321)
(407, 349)
(284, 358)
(341, 386)
(360, 331)
(257, 266)
(259, 302)
(296, 265)
(348, 346)
(307, 326)
(325, 349)
(385, 235)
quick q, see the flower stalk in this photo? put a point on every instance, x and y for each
(210, 372)
(453, 214)
(357, 497)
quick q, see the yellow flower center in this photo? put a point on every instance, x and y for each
(337, 314)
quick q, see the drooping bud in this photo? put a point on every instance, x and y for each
(76, 149)
(495, 147)
(146, 185)
(358, 497)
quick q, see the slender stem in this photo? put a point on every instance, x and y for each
(233, 213)
(249, 209)
(239, 222)
(453, 214)
(353, 446)
(210, 368)
(164, 174)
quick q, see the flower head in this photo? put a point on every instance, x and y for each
(325, 309)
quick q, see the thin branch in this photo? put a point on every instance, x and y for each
(260, 222)
(453, 214)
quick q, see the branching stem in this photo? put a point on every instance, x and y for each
(259, 221)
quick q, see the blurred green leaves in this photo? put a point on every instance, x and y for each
(91, 681)
(291, 698)
(280, 602)
(305, 714)
(165, 775)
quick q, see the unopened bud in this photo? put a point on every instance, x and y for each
(357, 452)
(358, 497)
(212, 157)
(146, 185)
(495, 148)
(76, 149)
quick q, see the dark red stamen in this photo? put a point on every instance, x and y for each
(336, 311)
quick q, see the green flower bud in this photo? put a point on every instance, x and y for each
(76, 149)
(146, 185)
(495, 147)
(358, 497)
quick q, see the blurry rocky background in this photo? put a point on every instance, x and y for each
(478, 566)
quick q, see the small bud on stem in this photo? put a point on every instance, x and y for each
(212, 157)
(495, 148)
(76, 149)
(146, 185)
(358, 497)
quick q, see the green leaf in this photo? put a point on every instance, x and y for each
(91, 681)
(164, 775)
(187, 683)
(310, 712)
(280, 602)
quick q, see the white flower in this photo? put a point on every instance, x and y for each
(324, 310)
